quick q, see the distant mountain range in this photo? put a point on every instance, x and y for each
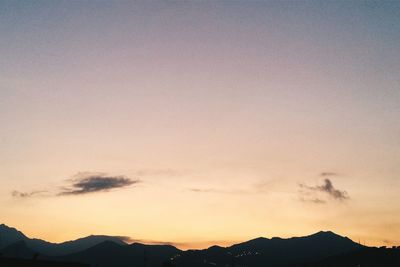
(319, 249)
(9, 235)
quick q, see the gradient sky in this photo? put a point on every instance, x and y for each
(229, 120)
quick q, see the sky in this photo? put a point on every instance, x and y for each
(200, 122)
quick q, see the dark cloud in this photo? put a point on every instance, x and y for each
(91, 183)
(327, 188)
(333, 192)
(82, 183)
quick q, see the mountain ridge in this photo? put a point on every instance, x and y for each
(10, 235)
(107, 251)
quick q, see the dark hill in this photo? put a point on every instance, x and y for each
(18, 250)
(365, 257)
(111, 254)
(271, 252)
(9, 235)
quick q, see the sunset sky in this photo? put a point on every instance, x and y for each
(200, 123)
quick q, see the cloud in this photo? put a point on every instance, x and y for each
(218, 191)
(130, 240)
(333, 192)
(96, 182)
(256, 188)
(82, 183)
(126, 239)
(204, 190)
(326, 188)
(19, 194)
(324, 174)
(313, 200)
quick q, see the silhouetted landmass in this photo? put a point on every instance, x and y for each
(271, 252)
(111, 254)
(18, 250)
(364, 257)
(323, 249)
(9, 235)
(13, 262)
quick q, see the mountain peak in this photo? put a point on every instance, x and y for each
(326, 234)
(8, 228)
(216, 248)
(259, 239)
(3, 226)
(10, 235)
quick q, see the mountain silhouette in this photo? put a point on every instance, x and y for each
(109, 253)
(18, 249)
(365, 257)
(18, 254)
(322, 249)
(271, 252)
(9, 235)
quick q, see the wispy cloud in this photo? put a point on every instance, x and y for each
(313, 200)
(82, 183)
(130, 240)
(386, 241)
(126, 239)
(326, 188)
(262, 187)
(204, 190)
(19, 194)
(325, 174)
(218, 191)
